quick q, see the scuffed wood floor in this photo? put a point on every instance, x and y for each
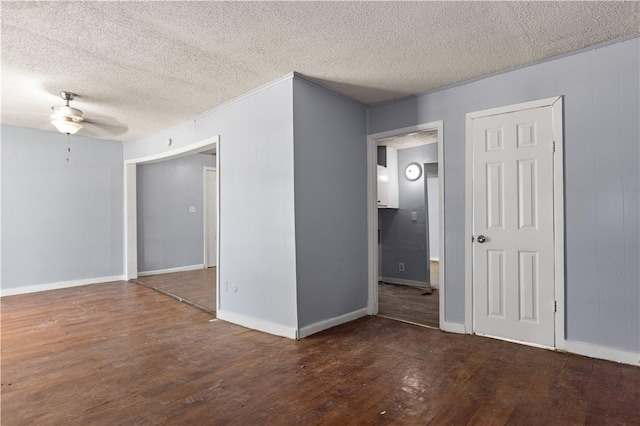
(197, 287)
(122, 354)
(411, 304)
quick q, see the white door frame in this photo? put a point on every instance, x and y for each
(130, 203)
(205, 187)
(558, 211)
(372, 213)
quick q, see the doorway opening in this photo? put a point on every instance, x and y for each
(408, 280)
(172, 216)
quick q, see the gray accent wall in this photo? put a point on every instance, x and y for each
(61, 221)
(330, 179)
(433, 185)
(257, 234)
(403, 239)
(169, 235)
(601, 142)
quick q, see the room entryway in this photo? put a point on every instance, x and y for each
(409, 226)
(171, 213)
(514, 233)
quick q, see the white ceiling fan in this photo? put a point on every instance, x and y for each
(66, 118)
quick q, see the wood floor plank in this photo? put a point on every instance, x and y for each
(197, 286)
(412, 304)
(123, 354)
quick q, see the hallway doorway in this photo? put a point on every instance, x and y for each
(408, 225)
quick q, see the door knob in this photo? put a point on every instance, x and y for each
(481, 239)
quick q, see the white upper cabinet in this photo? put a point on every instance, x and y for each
(388, 181)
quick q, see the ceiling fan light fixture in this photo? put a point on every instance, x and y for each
(66, 125)
(66, 119)
(61, 112)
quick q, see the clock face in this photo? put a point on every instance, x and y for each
(413, 171)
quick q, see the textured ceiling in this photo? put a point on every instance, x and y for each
(410, 140)
(139, 67)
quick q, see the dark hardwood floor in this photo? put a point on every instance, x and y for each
(406, 303)
(123, 354)
(411, 304)
(197, 287)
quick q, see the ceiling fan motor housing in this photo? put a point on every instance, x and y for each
(66, 112)
(62, 112)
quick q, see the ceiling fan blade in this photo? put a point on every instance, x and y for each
(102, 129)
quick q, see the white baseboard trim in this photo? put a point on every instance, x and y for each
(257, 324)
(58, 285)
(404, 282)
(519, 342)
(601, 352)
(308, 330)
(170, 270)
(452, 327)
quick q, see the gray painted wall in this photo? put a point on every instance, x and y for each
(169, 236)
(257, 246)
(330, 171)
(434, 217)
(404, 240)
(601, 99)
(61, 221)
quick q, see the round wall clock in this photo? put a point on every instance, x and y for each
(413, 171)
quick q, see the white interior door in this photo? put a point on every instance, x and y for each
(513, 226)
(211, 212)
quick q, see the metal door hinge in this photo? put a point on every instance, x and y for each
(554, 146)
(472, 239)
(555, 306)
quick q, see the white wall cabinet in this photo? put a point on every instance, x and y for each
(388, 181)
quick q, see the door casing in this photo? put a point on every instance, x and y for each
(372, 215)
(207, 227)
(130, 203)
(558, 211)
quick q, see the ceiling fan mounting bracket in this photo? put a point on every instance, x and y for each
(67, 96)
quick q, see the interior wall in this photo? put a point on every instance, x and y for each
(257, 247)
(433, 192)
(403, 239)
(169, 234)
(601, 132)
(61, 221)
(330, 171)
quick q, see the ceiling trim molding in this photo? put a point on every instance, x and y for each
(251, 92)
(530, 64)
(311, 82)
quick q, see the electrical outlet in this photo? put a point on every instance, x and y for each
(192, 209)
(401, 266)
(414, 216)
(234, 287)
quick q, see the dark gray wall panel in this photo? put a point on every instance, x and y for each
(330, 178)
(630, 158)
